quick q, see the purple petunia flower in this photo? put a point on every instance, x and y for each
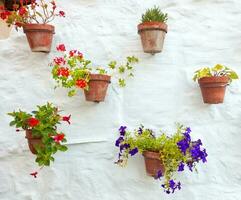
(140, 130)
(124, 146)
(158, 175)
(122, 130)
(181, 167)
(133, 151)
(183, 145)
(118, 141)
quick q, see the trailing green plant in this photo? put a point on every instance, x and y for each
(42, 123)
(217, 70)
(154, 15)
(175, 151)
(72, 71)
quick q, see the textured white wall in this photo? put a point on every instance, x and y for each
(201, 33)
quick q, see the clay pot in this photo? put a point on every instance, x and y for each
(152, 36)
(213, 89)
(39, 36)
(8, 4)
(4, 29)
(98, 86)
(33, 141)
(153, 163)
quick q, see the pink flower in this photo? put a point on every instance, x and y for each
(61, 47)
(66, 118)
(59, 60)
(58, 138)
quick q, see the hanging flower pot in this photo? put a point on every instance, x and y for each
(72, 71)
(164, 155)
(98, 85)
(153, 163)
(213, 89)
(36, 26)
(33, 142)
(40, 127)
(153, 30)
(39, 36)
(213, 82)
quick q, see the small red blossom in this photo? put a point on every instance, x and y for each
(59, 137)
(54, 5)
(81, 83)
(80, 54)
(34, 174)
(66, 118)
(4, 14)
(22, 11)
(61, 13)
(59, 60)
(63, 72)
(72, 53)
(33, 122)
(17, 130)
(18, 24)
(61, 47)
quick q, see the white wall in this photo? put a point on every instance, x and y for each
(201, 33)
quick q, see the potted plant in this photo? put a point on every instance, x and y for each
(152, 30)
(164, 155)
(72, 71)
(35, 19)
(41, 129)
(4, 28)
(213, 82)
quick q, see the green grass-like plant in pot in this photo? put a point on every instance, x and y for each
(153, 29)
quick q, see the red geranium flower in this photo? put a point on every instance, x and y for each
(63, 72)
(4, 14)
(61, 47)
(80, 54)
(34, 174)
(66, 118)
(22, 11)
(81, 83)
(72, 53)
(54, 4)
(58, 138)
(59, 60)
(33, 122)
(61, 13)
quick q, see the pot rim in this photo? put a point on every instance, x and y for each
(153, 25)
(214, 80)
(151, 154)
(100, 77)
(34, 27)
(30, 136)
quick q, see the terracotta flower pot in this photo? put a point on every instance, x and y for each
(152, 36)
(39, 36)
(153, 163)
(33, 141)
(98, 86)
(8, 4)
(213, 89)
(4, 30)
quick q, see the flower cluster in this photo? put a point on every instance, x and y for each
(40, 12)
(175, 152)
(42, 123)
(72, 71)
